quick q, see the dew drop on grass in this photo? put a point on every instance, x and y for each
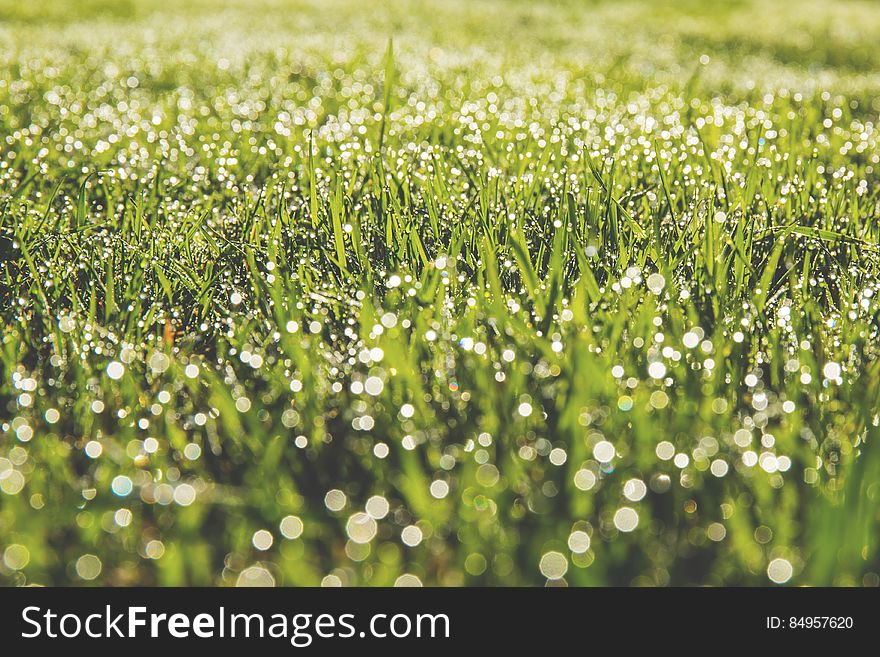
(331, 581)
(411, 535)
(579, 542)
(407, 580)
(262, 539)
(718, 468)
(656, 283)
(159, 362)
(779, 571)
(626, 519)
(742, 437)
(154, 549)
(831, 370)
(335, 500)
(88, 567)
(584, 479)
(716, 531)
(121, 485)
(291, 527)
(553, 565)
(361, 528)
(16, 556)
(487, 475)
(558, 456)
(12, 482)
(656, 370)
(439, 489)
(377, 507)
(373, 386)
(604, 451)
(115, 370)
(123, 517)
(255, 576)
(184, 494)
(634, 490)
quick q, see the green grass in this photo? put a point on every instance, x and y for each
(485, 295)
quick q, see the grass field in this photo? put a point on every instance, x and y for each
(450, 293)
